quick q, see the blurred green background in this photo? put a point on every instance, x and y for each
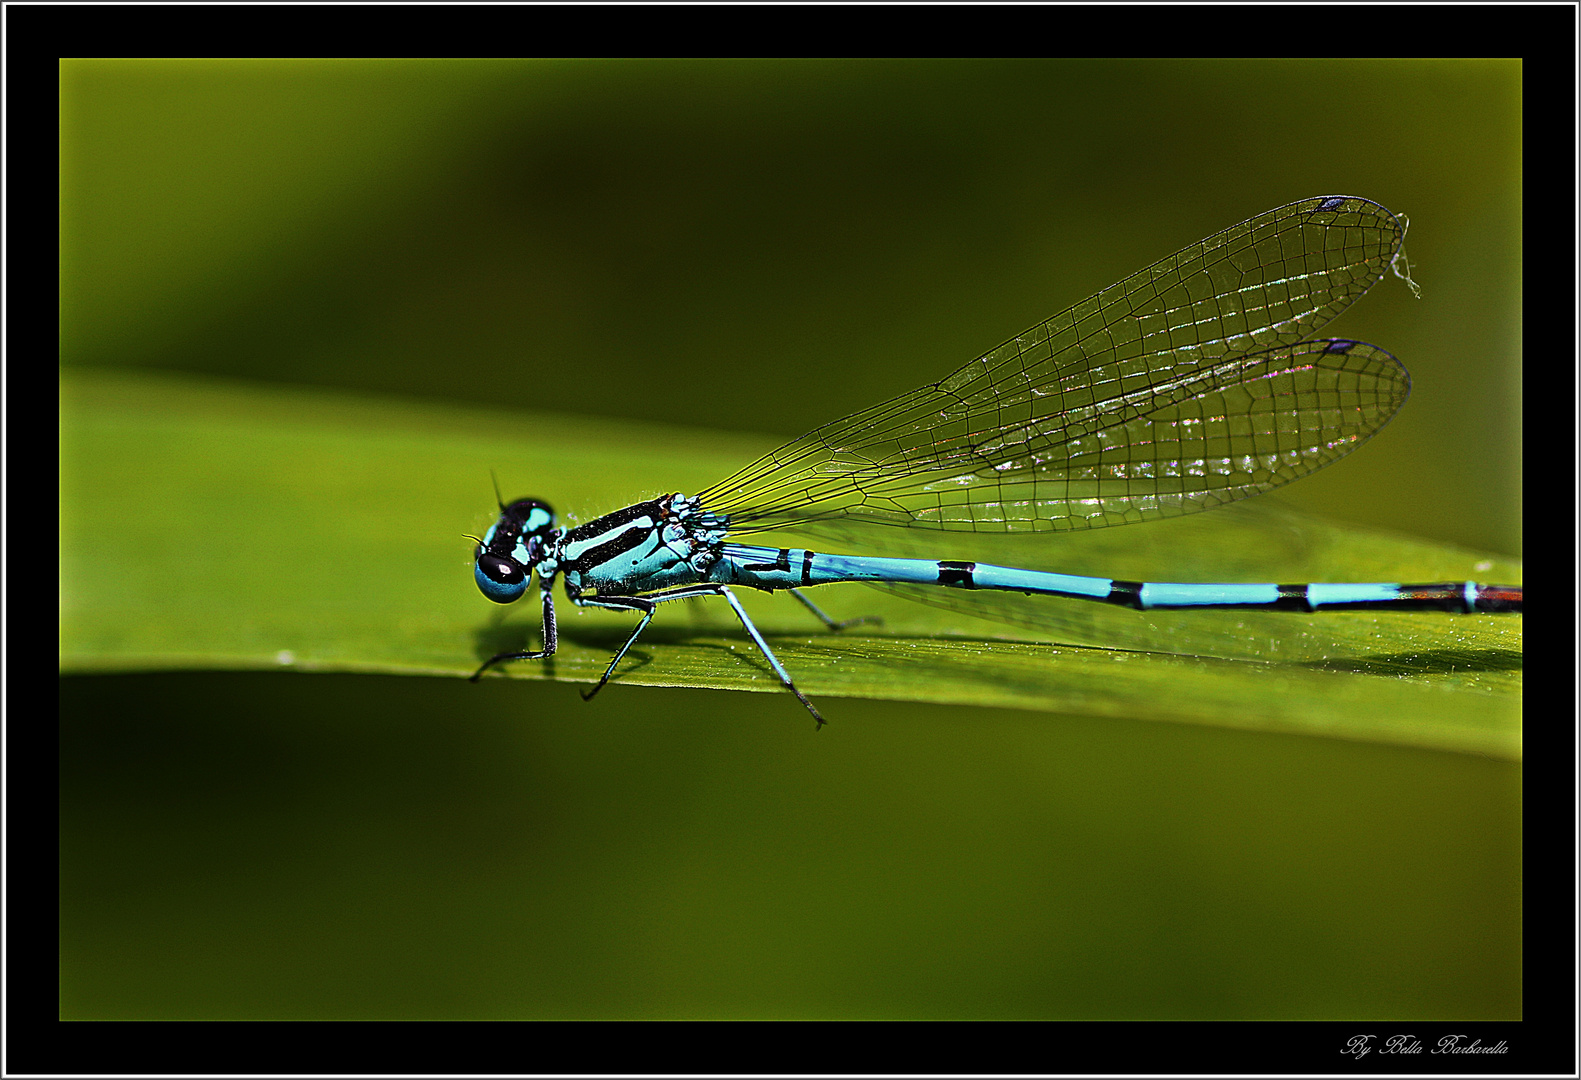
(761, 247)
(766, 246)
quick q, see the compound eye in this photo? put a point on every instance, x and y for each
(501, 580)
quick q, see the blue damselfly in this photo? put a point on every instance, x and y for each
(1190, 384)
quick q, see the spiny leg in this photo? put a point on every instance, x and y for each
(646, 605)
(831, 623)
(550, 642)
(625, 603)
(768, 654)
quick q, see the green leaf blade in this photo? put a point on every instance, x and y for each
(209, 525)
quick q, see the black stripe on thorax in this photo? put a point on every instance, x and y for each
(653, 510)
(628, 536)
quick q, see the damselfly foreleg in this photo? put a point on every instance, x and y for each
(550, 642)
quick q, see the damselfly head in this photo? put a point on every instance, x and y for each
(511, 548)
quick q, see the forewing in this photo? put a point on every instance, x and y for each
(1188, 384)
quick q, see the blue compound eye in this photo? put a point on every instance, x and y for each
(501, 580)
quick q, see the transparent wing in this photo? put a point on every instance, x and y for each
(1191, 383)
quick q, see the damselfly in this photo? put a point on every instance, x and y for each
(1190, 384)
